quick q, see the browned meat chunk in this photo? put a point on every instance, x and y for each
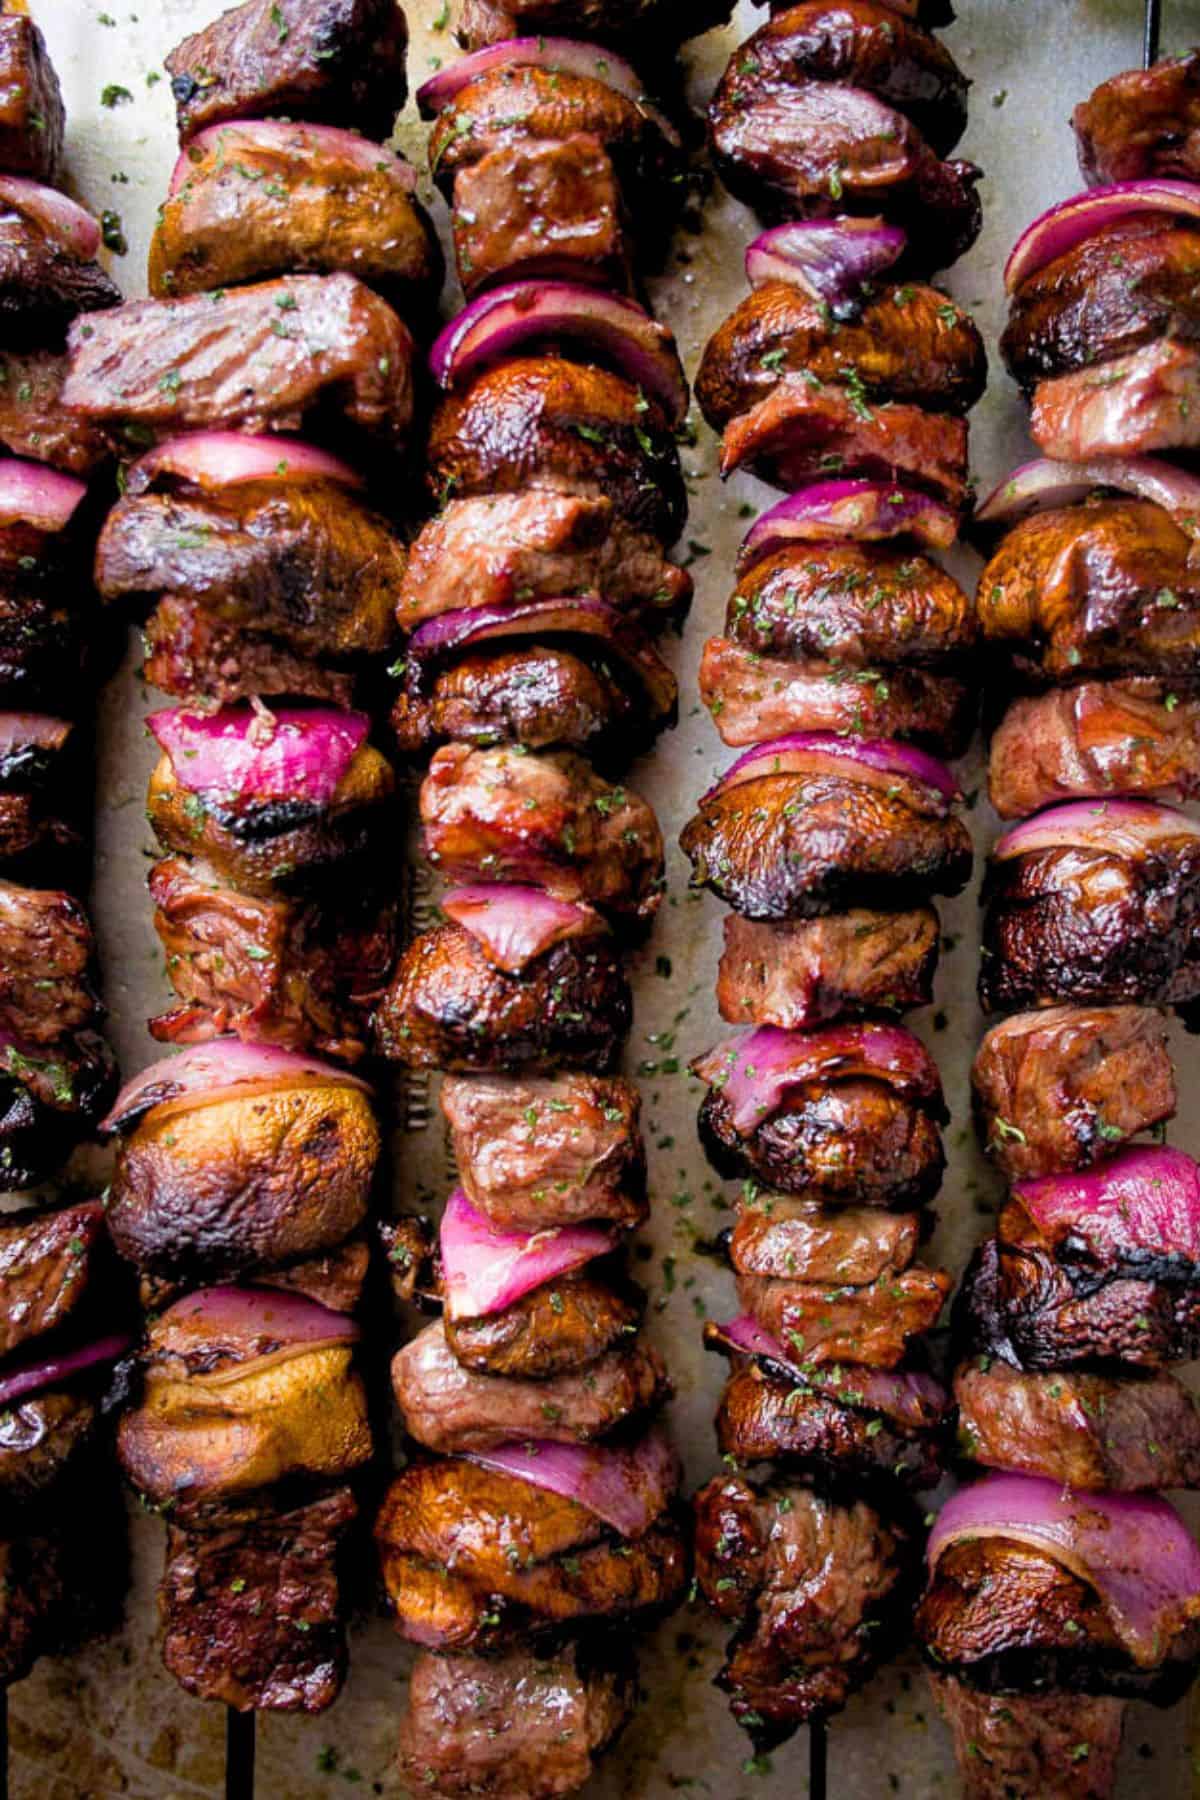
(340, 62)
(50, 1265)
(533, 1152)
(810, 971)
(43, 778)
(1136, 404)
(190, 652)
(874, 1325)
(33, 421)
(554, 1330)
(1101, 738)
(1058, 1746)
(41, 1436)
(1141, 123)
(542, 207)
(448, 1007)
(1063, 1087)
(803, 1240)
(47, 966)
(32, 117)
(50, 1097)
(44, 631)
(249, 1604)
(306, 351)
(44, 282)
(813, 1587)
(543, 422)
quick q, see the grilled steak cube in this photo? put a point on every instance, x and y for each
(557, 1329)
(1141, 123)
(1135, 404)
(50, 1266)
(1136, 736)
(807, 971)
(32, 117)
(1058, 1746)
(51, 1095)
(33, 420)
(47, 967)
(44, 280)
(874, 1325)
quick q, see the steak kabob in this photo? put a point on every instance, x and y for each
(536, 1518)
(286, 250)
(844, 674)
(1063, 1583)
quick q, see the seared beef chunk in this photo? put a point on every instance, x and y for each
(44, 282)
(41, 1435)
(908, 343)
(306, 351)
(542, 422)
(249, 1603)
(1141, 123)
(553, 1330)
(1063, 1087)
(47, 964)
(1136, 404)
(33, 1593)
(804, 1240)
(534, 1152)
(519, 1727)
(451, 1410)
(498, 815)
(496, 549)
(1057, 1746)
(1094, 1432)
(1123, 287)
(448, 1007)
(281, 200)
(42, 787)
(1104, 588)
(191, 652)
(211, 1191)
(817, 1590)
(782, 845)
(1103, 737)
(33, 421)
(277, 971)
(51, 1265)
(1007, 1617)
(1086, 925)
(874, 1325)
(44, 630)
(808, 971)
(51, 1095)
(475, 1559)
(340, 62)
(32, 118)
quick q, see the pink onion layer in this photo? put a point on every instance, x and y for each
(243, 753)
(255, 1324)
(1119, 827)
(32, 494)
(35, 1375)
(831, 259)
(568, 55)
(63, 219)
(221, 459)
(1044, 485)
(908, 1395)
(502, 321)
(215, 1071)
(1145, 1199)
(283, 138)
(515, 924)
(485, 1270)
(866, 511)
(627, 1487)
(1133, 1549)
(755, 1073)
(21, 731)
(869, 757)
(1071, 221)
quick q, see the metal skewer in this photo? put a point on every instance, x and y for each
(239, 1755)
(1152, 33)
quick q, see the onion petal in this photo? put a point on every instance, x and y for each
(221, 459)
(242, 753)
(1044, 486)
(568, 55)
(869, 758)
(1119, 827)
(32, 494)
(513, 924)
(62, 218)
(19, 1381)
(1145, 1202)
(627, 1487)
(216, 1070)
(867, 511)
(289, 138)
(830, 259)
(755, 1072)
(216, 1332)
(1071, 221)
(485, 1270)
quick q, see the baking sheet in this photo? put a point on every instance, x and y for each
(110, 1721)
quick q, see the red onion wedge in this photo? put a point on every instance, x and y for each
(1044, 486)
(1071, 221)
(506, 320)
(290, 138)
(831, 259)
(627, 1487)
(514, 924)
(804, 752)
(867, 511)
(32, 494)
(755, 1072)
(221, 459)
(63, 219)
(244, 753)
(219, 1330)
(217, 1071)
(1120, 827)
(1133, 1549)
(37, 731)
(1144, 1202)
(33, 1375)
(567, 55)
(485, 1270)
(909, 1395)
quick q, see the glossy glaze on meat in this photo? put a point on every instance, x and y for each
(47, 966)
(32, 117)
(799, 1239)
(811, 971)
(44, 282)
(33, 421)
(51, 1265)
(1142, 123)
(1136, 404)
(1138, 736)
(557, 1329)
(831, 1323)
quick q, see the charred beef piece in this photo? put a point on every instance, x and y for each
(1010, 1744)
(340, 62)
(47, 967)
(1125, 286)
(543, 422)
(1135, 404)
(493, 550)
(1142, 122)
(874, 1325)
(42, 1435)
(51, 1095)
(907, 343)
(213, 1191)
(1063, 1087)
(814, 149)
(810, 971)
(249, 209)
(792, 1239)
(249, 1603)
(1095, 1432)
(277, 971)
(1104, 588)
(452, 1410)
(448, 1007)
(553, 1330)
(1136, 736)
(318, 352)
(473, 1559)
(1093, 926)
(499, 815)
(44, 282)
(42, 783)
(33, 421)
(534, 1152)
(519, 1727)
(813, 1587)
(32, 116)
(45, 634)
(51, 1264)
